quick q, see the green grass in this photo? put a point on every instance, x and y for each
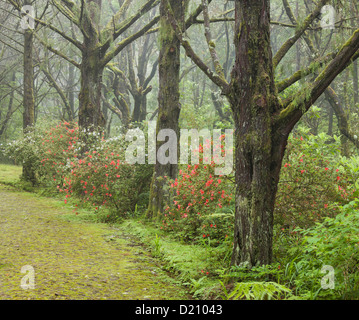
(10, 174)
(197, 266)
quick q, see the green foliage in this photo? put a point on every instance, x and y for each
(244, 274)
(335, 242)
(25, 150)
(312, 181)
(256, 291)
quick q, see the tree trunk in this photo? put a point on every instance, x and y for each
(90, 114)
(355, 83)
(29, 101)
(355, 63)
(258, 151)
(5, 121)
(70, 90)
(168, 98)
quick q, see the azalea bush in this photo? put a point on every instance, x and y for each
(82, 165)
(202, 206)
(25, 150)
(30, 148)
(57, 148)
(102, 178)
(312, 182)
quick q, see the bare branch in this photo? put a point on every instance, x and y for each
(218, 80)
(299, 32)
(210, 42)
(57, 52)
(121, 45)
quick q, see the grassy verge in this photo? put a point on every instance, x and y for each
(196, 266)
(10, 174)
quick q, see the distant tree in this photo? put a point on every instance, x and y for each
(97, 47)
(28, 95)
(168, 97)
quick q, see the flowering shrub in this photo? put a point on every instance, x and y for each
(312, 183)
(57, 148)
(201, 200)
(99, 177)
(102, 178)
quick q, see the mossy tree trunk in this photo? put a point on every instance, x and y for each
(355, 83)
(28, 100)
(168, 98)
(263, 124)
(258, 153)
(90, 113)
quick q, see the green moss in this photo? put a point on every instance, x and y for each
(72, 260)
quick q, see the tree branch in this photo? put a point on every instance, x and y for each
(300, 74)
(211, 45)
(120, 46)
(69, 10)
(117, 31)
(57, 52)
(218, 80)
(307, 96)
(340, 114)
(298, 33)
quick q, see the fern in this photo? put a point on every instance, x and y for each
(256, 291)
